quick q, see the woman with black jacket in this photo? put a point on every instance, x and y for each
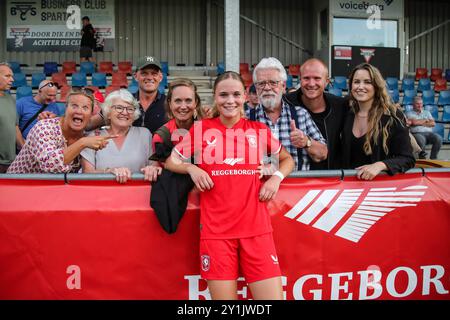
(375, 137)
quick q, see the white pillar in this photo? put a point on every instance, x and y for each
(232, 35)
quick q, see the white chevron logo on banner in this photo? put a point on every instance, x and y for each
(377, 203)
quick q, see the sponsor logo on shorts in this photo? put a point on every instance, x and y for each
(274, 259)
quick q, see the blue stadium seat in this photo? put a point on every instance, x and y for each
(20, 80)
(23, 91)
(161, 88)
(165, 67)
(99, 79)
(220, 68)
(395, 95)
(164, 81)
(133, 82)
(433, 110)
(79, 79)
(408, 97)
(36, 79)
(87, 67)
(133, 88)
(424, 84)
(428, 97)
(340, 82)
(447, 74)
(408, 108)
(50, 68)
(439, 129)
(15, 66)
(407, 84)
(61, 108)
(289, 81)
(392, 83)
(336, 92)
(444, 98)
(446, 113)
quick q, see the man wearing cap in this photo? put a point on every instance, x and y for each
(151, 102)
(29, 108)
(9, 131)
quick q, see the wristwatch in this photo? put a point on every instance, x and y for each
(308, 142)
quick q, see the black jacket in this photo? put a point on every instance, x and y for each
(330, 125)
(400, 157)
(88, 37)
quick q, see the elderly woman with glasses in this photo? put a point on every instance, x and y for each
(54, 145)
(131, 146)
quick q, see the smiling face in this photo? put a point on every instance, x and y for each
(313, 79)
(269, 87)
(362, 88)
(78, 112)
(121, 115)
(229, 97)
(182, 103)
(149, 79)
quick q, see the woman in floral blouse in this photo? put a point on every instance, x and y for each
(54, 145)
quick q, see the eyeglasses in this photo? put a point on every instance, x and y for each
(272, 83)
(48, 84)
(120, 109)
(86, 91)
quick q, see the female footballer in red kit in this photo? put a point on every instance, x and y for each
(235, 227)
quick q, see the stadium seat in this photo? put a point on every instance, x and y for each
(164, 82)
(407, 84)
(335, 91)
(61, 108)
(50, 68)
(447, 74)
(23, 91)
(79, 79)
(392, 83)
(87, 67)
(340, 82)
(248, 79)
(439, 129)
(289, 82)
(60, 79)
(69, 67)
(424, 84)
(119, 79)
(133, 88)
(106, 67)
(294, 70)
(133, 82)
(446, 113)
(161, 89)
(36, 79)
(99, 79)
(408, 108)
(421, 73)
(243, 68)
(436, 73)
(125, 67)
(444, 98)
(220, 68)
(64, 92)
(408, 97)
(433, 109)
(20, 80)
(395, 95)
(165, 67)
(428, 97)
(440, 84)
(15, 66)
(110, 89)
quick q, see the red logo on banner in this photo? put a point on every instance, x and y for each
(373, 206)
(367, 54)
(343, 53)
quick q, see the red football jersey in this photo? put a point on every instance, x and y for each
(231, 209)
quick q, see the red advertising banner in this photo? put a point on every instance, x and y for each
(384, 239)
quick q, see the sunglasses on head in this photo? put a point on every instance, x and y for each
(48, 84)
(86, 91)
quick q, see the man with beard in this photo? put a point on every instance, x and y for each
(327, 111)
(292, 125)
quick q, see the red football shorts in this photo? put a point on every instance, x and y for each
(255, 257)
